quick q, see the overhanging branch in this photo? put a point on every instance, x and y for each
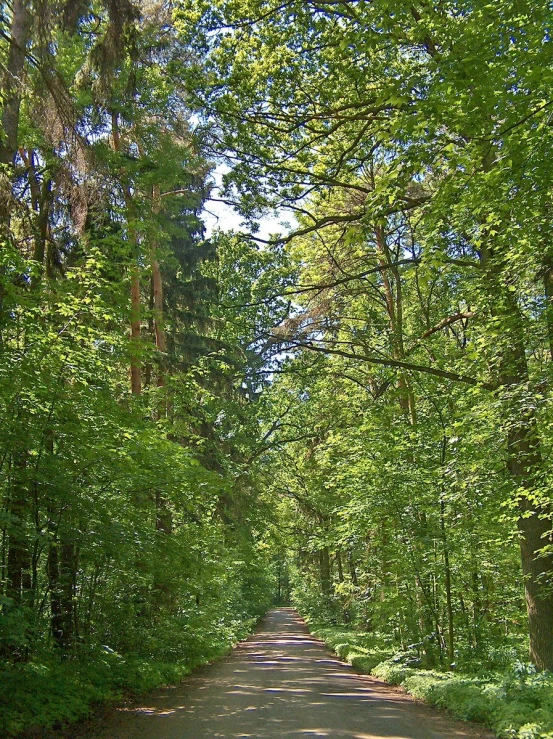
(388, 362)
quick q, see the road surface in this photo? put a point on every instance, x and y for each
(281, 684)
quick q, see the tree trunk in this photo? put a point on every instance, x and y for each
(393, 294)
(41, 196)
(548, 290)
(147, 382)
(476, 604)
(352, 570)
(447, 565)
(448, 599)
(161, 341)
(13, 79)
(339, 565)
(524, 462)
(61, 569)
(428, 621)
(525, 465)
(136, 363)
(19, 562)
(136, 370)
(324, 569)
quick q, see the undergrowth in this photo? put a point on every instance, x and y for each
(47, 693)
(514, 702)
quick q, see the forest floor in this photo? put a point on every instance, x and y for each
(281, 682)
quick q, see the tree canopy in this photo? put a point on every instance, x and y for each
(354, 413)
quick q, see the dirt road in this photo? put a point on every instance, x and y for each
(281, 683)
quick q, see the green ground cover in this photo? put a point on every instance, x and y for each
(511, 699)
(45, 694)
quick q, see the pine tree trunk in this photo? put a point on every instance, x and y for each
(136, 370)
(161, 340)
(135, 343)
(12, 84)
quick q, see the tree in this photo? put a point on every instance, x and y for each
(124, 519)
(433, 97)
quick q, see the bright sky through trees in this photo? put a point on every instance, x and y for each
(220, 215)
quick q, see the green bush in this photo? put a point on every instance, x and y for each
(392, 672)
(360, 649)
(366, 663)
(47, 693)
(50, 694)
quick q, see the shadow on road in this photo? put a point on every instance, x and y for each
(281, 683)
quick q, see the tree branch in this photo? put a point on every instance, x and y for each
(386, 362)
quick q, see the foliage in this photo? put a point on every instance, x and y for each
(357, 414)
(411, 452)
(132, 524)
(48, 694)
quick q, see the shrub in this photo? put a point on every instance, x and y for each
(47, 693)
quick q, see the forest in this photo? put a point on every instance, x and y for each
(352, 414)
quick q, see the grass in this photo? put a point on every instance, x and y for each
(515, 703)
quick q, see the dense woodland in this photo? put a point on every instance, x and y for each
(354, 413)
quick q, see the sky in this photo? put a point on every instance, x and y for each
(219, 215)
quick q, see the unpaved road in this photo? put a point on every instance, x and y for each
(280, 683)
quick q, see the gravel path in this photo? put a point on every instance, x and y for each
(281, 683)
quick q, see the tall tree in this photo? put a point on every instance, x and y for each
(432, 94)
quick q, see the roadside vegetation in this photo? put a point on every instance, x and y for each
(499, 691)
(45, 694)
